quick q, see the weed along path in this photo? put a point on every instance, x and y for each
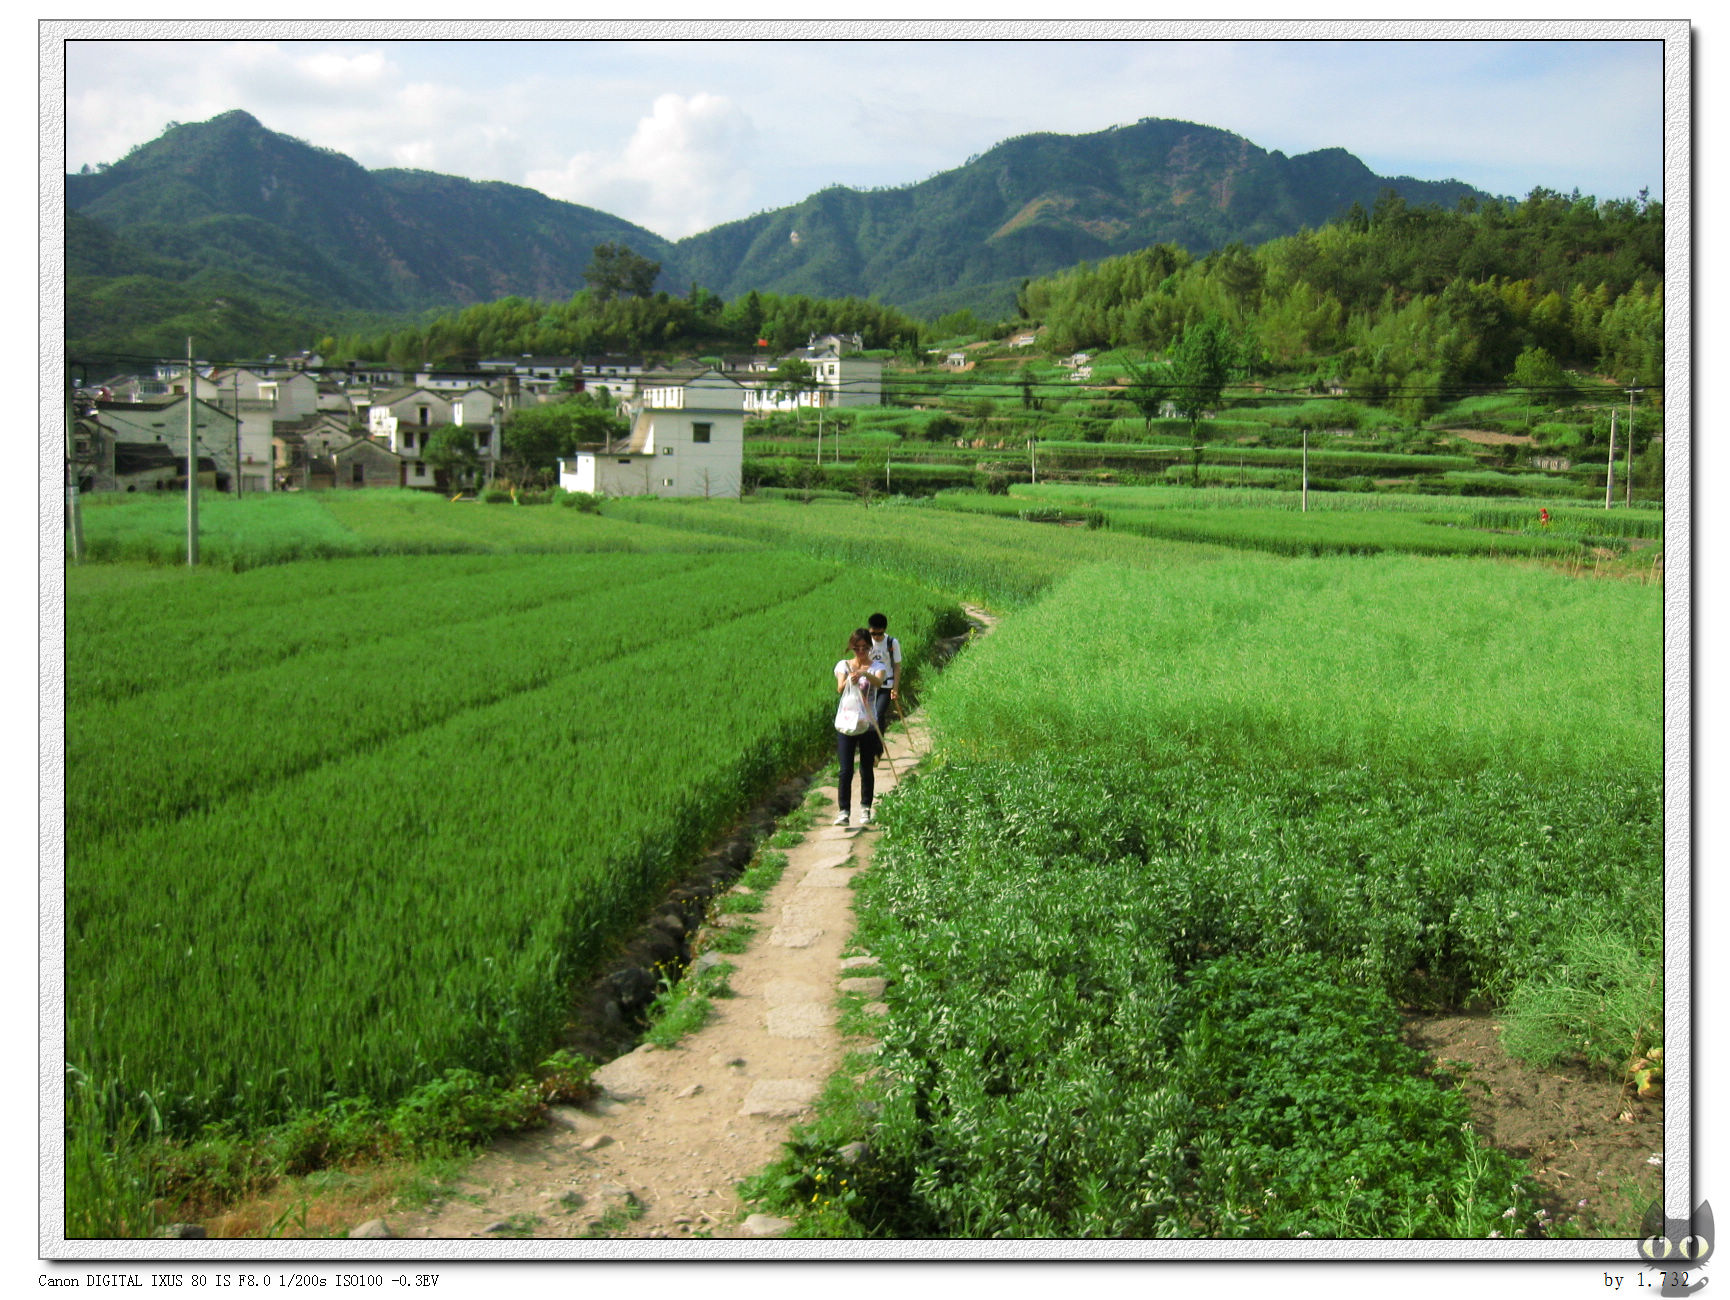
(658, 1153)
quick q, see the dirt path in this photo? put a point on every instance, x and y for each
(658, 1154)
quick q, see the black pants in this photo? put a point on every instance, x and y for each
(864, 748)
(883, 706)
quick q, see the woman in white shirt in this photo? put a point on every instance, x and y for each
(856, 741)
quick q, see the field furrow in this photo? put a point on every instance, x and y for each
(148, 759)
(425, 902)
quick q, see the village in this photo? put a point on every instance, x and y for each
(298, 424)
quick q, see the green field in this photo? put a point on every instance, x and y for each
(358, 802)
(1193, 838)
(336, 826)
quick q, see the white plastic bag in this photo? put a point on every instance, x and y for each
(853, 716)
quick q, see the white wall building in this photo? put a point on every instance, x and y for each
(687, 440)
(841, 382)
(150, 438)
(263, 399)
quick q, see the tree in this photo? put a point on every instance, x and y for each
(869, 472)
(1201, 363)
(1024, 377)
(616, 272)
(1536, 369)
(538, 437)
(452, 454)
(1150, 388)
(1543, 380)
(791, 378)
(535, 438)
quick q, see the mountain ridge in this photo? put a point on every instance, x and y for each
(229, 197)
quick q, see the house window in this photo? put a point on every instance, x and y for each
(666, 451)
(425, 416)
(624, 460)
(666, 482)
(359, 474)
(420, 468)
(700, 432)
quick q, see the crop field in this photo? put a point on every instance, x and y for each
(1201, 821)
(1174, 497)
(336, 826)
(1191, 840)
(276, 527)
(1226, 520)
(1000, 562)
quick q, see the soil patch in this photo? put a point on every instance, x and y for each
(1587, 1139)
(1493, 438)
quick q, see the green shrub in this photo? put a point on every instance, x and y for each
(588, 503)
(461, 1108)
(1601, 997)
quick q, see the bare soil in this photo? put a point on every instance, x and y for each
(1587, 1139)
(1492, 438)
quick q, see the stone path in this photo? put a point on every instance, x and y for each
(658, 1155)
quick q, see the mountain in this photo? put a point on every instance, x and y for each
(228, 210)
(230, 194)
(1038, 204)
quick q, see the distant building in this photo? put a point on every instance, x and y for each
(133, 446)
(687, 440)
(841, 382)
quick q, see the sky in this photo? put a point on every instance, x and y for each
(681, 135)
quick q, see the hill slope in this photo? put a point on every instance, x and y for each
(226, 207)
(228, 193)
(1040, 203)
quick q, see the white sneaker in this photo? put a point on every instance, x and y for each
(841, 820)
(865, 815)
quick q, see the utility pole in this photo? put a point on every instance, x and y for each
(191, 464)
(1032, 462)
(1628, 478)
(1306, 480)
(74, 519)
(236, 375)
(1610, 466)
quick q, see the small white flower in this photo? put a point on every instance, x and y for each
(1655, 1160)
(1581, 1204)
(1508, 1213)
(1494, 1233)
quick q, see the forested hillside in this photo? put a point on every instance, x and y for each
(1398, 298)
(1037, 203)
(255, 241)
(1396, 301)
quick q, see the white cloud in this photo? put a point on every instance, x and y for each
(687, 166)
(347, 72)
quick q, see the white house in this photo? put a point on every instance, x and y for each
(404, 420)
(848, 381)
(147, 441)
(841, 382)
(687, 440)
(263, 398)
